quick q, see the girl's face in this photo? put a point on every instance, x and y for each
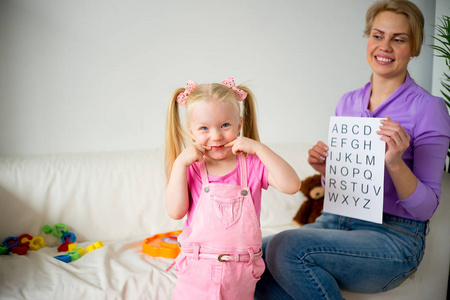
(214, 124)
(389, 45)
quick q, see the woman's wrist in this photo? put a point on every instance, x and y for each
(395, 167)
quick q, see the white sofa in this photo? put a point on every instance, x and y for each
(118, 198)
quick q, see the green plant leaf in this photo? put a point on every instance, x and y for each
(442, 36)
(446, 99)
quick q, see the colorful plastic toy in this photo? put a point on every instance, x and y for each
(3, 249)
(74, 247)
(17, 245)
(37, 243)
(68, 236)
(20, 250)
(54, 230)
(10, 242)
(162, 245)
(65, 258)
(25, 237)
(64, 247)
(74, 255)
(94, 246)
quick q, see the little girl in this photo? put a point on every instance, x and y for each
(217, 182)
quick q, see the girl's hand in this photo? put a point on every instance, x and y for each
(317, 157)
(397, 141)
(281, 175)
(243, 144)
(192, 153)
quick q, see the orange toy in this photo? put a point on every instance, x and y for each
(164, 244)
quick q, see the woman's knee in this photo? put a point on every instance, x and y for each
(295, 239)
(285, 247)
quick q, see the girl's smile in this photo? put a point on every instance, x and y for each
(217, 147)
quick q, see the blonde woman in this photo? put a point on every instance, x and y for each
(317, 260)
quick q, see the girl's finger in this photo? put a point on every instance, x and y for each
(199, 158)
(230, 144)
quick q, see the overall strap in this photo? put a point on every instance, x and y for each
(203, 172)
(243, 170)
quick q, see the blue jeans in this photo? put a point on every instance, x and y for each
(317, 260)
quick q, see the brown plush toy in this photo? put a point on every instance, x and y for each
(312, 207)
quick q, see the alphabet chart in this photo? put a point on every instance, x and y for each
(354, 184)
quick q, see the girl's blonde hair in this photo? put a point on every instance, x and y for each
(405, 7)
(176, 136)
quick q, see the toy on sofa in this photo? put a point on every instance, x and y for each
(76, 252)
(20, 245)
(37, 243)
(66, 236)
(164, 245)
(54, 230)
(312, 207)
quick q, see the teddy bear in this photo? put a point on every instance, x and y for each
(312, 207)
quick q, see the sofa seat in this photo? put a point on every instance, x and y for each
(118, 198)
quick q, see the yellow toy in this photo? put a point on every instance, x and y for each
(94, 246)
(163, 245)
(37, 243)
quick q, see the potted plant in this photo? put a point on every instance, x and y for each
(443, 50)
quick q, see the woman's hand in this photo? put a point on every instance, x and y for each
(397, 141)
(243, 144)
(317, 157)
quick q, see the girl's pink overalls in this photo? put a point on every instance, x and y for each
(221, 249)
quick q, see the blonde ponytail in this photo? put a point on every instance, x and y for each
(176, 137)
(249, 122)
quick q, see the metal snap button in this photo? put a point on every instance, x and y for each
(244, 193)
(206, 189)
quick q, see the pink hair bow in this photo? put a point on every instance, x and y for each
(229, 82)
(190, 86)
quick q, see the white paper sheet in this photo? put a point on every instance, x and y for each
(355, 169)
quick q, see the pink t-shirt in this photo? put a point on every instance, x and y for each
(257, 175)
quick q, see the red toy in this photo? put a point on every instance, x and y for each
(64, 247)
(21, 239)
(20, 250)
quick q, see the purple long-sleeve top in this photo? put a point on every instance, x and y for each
(426, 119)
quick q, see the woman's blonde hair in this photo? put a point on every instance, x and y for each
(405, 7)
(176, 136)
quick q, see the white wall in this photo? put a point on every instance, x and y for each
(89, 75)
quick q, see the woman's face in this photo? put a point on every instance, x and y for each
(389, 45)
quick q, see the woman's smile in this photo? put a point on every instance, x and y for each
(388, 47)
(384, 59)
